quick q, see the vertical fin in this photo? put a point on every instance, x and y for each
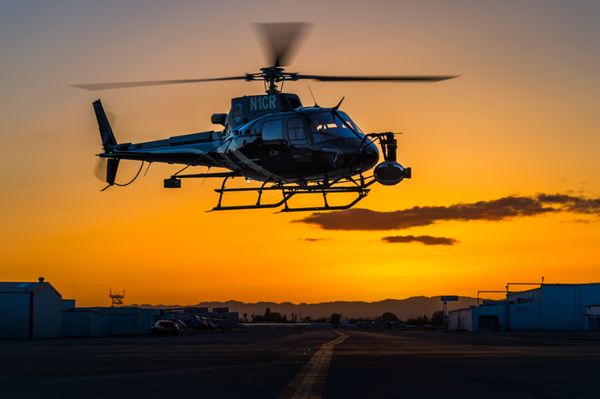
(108, 142)
(106, 133)
(111, 170)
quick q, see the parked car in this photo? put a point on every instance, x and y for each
(200, 323)
(213, 324)
(165, 327)
(183, 327)
(194, 322)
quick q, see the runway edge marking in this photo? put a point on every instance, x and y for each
(311, 379)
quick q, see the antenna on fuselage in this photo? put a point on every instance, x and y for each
(313, 97)
(338, 104)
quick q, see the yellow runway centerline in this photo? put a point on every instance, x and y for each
(309, 382)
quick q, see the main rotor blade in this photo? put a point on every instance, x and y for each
(401, 78)
(122, 85)
(280, 39)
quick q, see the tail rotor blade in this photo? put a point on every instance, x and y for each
(100, 169)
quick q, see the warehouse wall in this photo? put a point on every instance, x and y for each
(525, 316)
(124, 321)
(461, 320)
(491, 311)
(550, 307)
(14, 311)
(77, 323)
(593, 318)
(559, 307)
(590, 296)
(553, 307)
(47, 312)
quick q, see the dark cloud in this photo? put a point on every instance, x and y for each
(494, 210)
(574, 204)
(310, 239)
(427, 240)
(579, 221)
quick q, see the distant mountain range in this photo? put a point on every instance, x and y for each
(403, 308)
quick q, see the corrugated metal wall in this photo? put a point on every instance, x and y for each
(14, 311)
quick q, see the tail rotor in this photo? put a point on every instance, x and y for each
(109, 142)
(100, 169)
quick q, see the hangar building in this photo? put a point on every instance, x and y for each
(30, 310)
(103, 321)
(548, 307)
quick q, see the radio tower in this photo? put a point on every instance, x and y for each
(116, 298)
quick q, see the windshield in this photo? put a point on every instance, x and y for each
(324, 123)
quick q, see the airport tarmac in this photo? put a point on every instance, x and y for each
(309, 364)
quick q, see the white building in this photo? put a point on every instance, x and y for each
(29, 310)
(549, 307)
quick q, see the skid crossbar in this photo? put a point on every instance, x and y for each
(290, 190)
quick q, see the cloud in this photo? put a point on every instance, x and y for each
(493, 210)
(579, 221)
(311, 239)
(574, 204)
(427, 240)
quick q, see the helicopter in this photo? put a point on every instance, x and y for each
(271, 138)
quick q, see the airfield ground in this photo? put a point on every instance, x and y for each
(271, 364)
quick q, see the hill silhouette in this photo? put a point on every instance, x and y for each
(403, 308)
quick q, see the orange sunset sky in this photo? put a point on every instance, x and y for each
(522, 119)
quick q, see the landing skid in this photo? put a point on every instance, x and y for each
(321, 188)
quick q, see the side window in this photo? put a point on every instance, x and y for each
(296, 132)
(271, 130)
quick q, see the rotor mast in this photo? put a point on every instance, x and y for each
(272, 76)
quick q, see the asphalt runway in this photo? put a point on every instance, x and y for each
(465, 365)
(309, 364)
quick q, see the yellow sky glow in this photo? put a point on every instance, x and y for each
(522, 119)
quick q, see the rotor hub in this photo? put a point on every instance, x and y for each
(272, 75)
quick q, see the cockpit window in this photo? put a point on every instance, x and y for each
(296, 133)
(271, 130)
(325, 123)
(349, 121)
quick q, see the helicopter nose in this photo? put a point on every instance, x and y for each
(369, 156)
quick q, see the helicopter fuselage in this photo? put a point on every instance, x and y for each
(307, 143)
(304, 144)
